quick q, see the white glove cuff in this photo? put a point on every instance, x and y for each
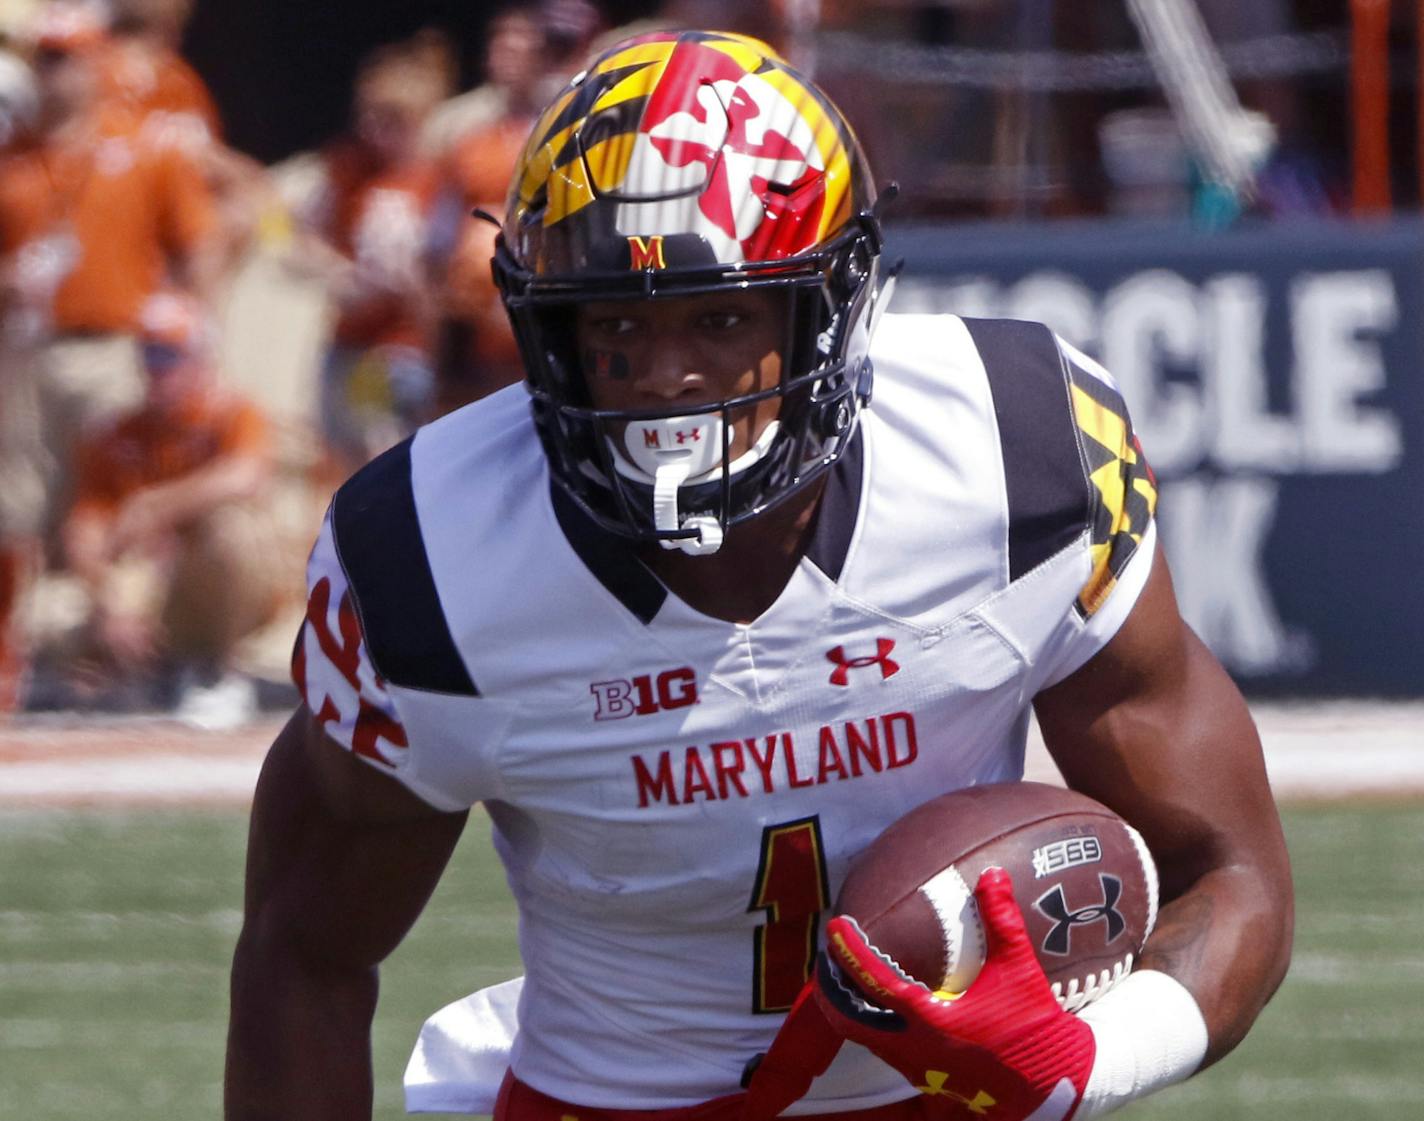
(1149, 1034)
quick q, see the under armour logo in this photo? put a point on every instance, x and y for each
(841, 674)
(934, 1087)
(1055, 906)
(694, 435)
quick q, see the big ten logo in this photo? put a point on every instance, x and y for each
(645, 694)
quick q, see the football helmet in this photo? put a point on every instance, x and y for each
(682, 163)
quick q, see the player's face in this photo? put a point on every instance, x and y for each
(674, 354)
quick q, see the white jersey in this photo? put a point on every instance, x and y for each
(676, 798)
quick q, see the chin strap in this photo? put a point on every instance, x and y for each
(670, 475)
(668, 452)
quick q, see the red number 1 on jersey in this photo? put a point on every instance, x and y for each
(792, 887)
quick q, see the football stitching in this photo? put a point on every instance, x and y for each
(1149, 873)
(1076, 997)
(948, 893)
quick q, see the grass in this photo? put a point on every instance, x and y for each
(116, 930)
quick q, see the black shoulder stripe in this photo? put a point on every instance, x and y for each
(612, 560)
(1049, 498)
(840, 506)
(378, 539)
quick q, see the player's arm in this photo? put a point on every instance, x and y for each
(1153, 727)
(341, 860)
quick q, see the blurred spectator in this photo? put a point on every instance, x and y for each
(21, 484)
(762, 19)
(529, 53)
(18, 99)
(143, 67)
(13, 659)
(365, 233)
(22, 474)
(479, 136)
(475, 349)
(570, 26)
(171, 533)
(94, 218)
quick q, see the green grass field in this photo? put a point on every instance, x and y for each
(116, 929)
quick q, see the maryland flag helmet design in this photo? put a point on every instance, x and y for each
(681, 163)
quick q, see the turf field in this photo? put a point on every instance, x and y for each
(116, 928)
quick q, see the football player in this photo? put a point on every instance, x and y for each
(694, 622)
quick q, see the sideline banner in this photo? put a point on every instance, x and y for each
(1276, 378)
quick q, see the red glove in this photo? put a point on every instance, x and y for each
(1003, 1050)
(802, 1049)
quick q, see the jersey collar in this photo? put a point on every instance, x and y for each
(614, 563)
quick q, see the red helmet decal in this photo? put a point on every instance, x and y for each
(709, 112)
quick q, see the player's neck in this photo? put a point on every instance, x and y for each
(751, 569)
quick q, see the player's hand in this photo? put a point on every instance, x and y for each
(1004, 1042)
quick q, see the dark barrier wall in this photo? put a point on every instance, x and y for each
(1276, 378)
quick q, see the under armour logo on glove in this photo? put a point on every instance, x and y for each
(936, 1086)
(841, 674)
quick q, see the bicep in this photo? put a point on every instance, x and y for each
(1154, 728)
(341, 858)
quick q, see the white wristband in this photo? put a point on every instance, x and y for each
(1149, 1034)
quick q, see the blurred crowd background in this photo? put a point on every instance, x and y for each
(237, 257)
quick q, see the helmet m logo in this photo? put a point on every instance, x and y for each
(1054, 905)
(841, 674)
(646, 253)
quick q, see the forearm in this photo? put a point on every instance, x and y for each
(1226, 942)
(299, 1041)
(1198, 988)
(336, 873)
(1154, 728)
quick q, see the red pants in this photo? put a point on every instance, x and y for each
(518, 1102)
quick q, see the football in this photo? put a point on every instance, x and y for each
(1083, 878)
